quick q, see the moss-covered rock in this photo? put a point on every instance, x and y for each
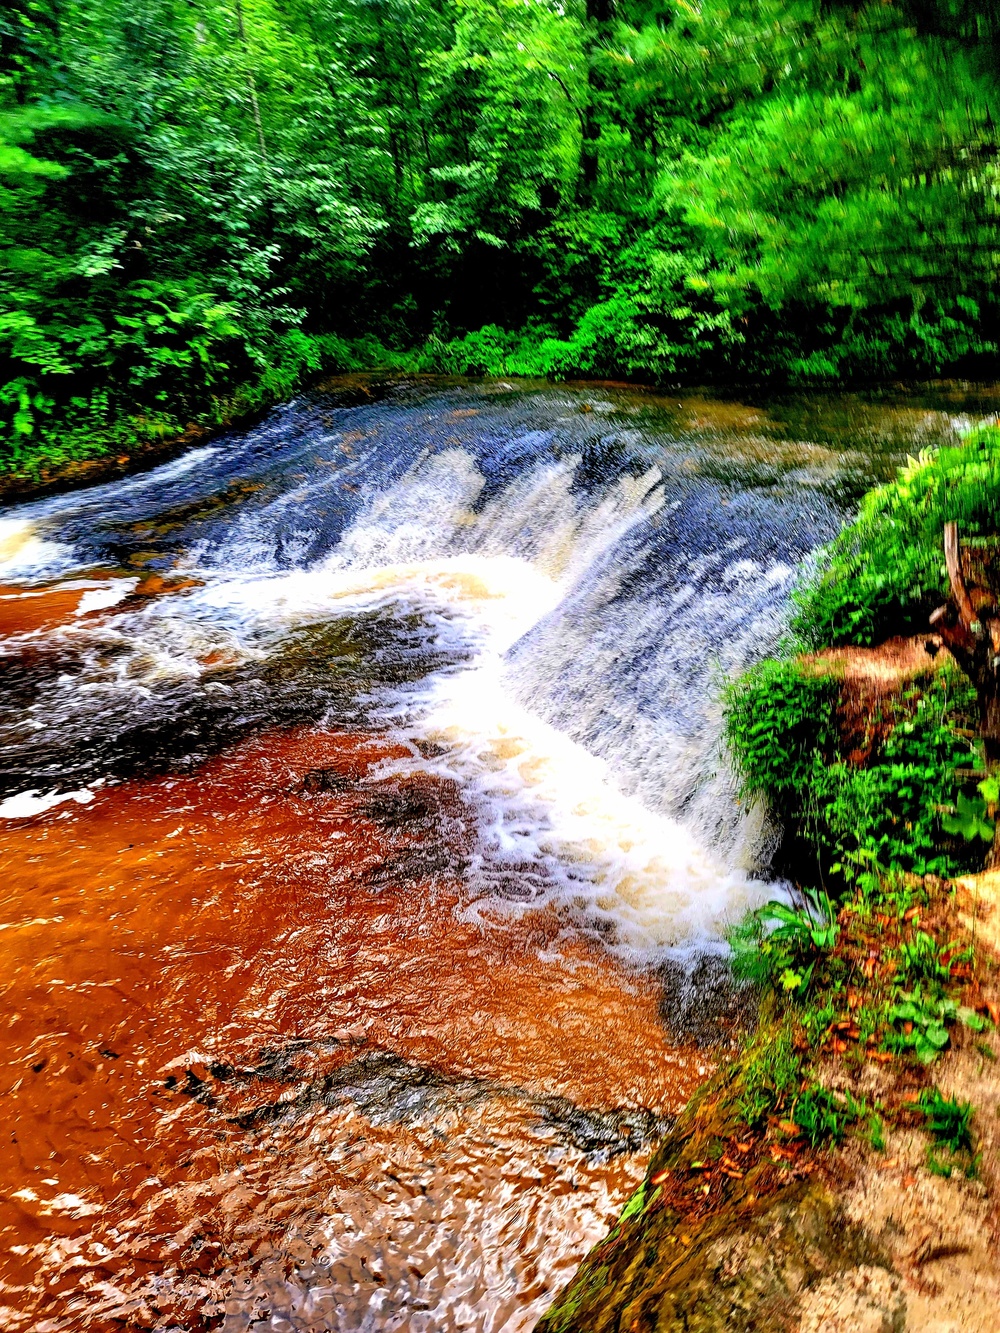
(727, 1232)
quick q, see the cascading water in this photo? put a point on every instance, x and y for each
(446, 663)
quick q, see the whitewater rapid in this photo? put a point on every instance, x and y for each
(587, 581)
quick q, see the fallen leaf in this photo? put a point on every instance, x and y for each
(660, 1176)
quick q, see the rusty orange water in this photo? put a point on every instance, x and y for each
(256, 919)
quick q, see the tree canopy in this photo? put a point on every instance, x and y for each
(203, 203)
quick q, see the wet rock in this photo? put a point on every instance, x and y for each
(384, 1087)
(412, 863)
(319, 780)
(702, 1002)
(600, 1133)
(104, 716)
(390, 1090)
(393, 809)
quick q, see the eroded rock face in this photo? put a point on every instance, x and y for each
(862, 1300)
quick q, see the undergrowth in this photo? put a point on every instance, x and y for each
(885, 572)
(101, 425)
(892, 800)
(868, 981)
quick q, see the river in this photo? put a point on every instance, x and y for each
(367, 839)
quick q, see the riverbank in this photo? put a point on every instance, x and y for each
(881, 1228)
(96, 460)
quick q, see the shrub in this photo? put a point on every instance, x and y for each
(781, 729)
(885, 573)
(777, 717)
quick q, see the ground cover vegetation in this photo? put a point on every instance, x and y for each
(869, 960)
(202, 205)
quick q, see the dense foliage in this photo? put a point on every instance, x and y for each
(885, 573)
(884, 791)
(899, 780)
(886, 806)
(202, 204)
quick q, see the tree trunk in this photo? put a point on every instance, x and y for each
(600, 13)
(251, 82)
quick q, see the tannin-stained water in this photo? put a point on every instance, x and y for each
(365, 831)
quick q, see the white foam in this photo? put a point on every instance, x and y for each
(555, 824)
(575, 801)
(26, 804)
(26, 553)
(105, 595)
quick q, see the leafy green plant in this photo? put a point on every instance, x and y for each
(813, 925)
(948, 1119)
(876, 1132)
(777, 717)
(824, 1116)
(780, 943)
(970, 819)
(850, 822)
(923, 959)
(923, 1023)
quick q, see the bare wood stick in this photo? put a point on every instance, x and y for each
(953, 561)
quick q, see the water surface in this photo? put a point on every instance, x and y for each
(367, 838)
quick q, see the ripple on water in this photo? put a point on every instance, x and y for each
(254, 1077)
